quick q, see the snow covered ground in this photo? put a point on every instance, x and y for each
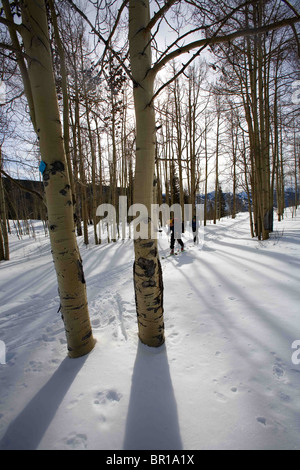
(224, 379)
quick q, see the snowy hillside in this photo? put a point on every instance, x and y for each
(224, 379)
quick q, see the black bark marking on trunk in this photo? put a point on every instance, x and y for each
(80, 272)
(154, 252)
(84, 338)
(69, 297)
(134, 283)
(52, 170)
(46, 177)
(65, 190)
(148, 266)
(138, 274)
(153, 309)
(52, 227)
(160, 339)
(57, 166)
(161, 284)
(149, 283)
(78, 307)
(148, 244)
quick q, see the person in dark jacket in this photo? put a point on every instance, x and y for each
(175, 235)
(195, 228)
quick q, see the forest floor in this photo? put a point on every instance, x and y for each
(226, 378)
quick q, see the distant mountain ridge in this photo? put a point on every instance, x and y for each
(22, 204)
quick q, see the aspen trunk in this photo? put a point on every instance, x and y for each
(100, 168)
(66, 256)
(83, 194)
(1, 245)
(178, 124)
(92, 147)
(217, 170)
(295, 170)
(234, 145)
(4, 249)
(206, 170)
(113, 184)
(64, 85)
(147, 267)
(281, 182)
(77, 214)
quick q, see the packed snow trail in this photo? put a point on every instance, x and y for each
(239, 318)
(223, 380)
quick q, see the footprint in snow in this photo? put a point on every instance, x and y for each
(261, 420)
(107, 396)
(75, 402)
(284, 397)
(76, 441)
(220, 397)
(278, 371)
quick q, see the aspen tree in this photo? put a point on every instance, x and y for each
(82, 175)
(296, 163)
(4, 244)
(93, 163)
(217, 165)
(178, 126)
(207, 125)
(43, 100)
(1, 245)
(147, 267)
(65, 93)
(234, 144)
(280, 176)
(75, 171)
(99, 166)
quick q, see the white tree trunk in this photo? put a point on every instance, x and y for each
(147, 268)
(66, 256)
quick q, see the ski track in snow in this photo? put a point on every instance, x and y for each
(223, 380)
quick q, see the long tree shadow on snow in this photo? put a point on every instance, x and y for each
(29, 427)
(152, 420)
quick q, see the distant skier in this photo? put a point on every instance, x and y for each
(175, 234)
(195, 228)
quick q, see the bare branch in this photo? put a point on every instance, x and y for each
(293, 26)
(9, 47)
(291, 7)
(20, 60)
(11, 24)
(202, 43)
(206, 27)
(159, 14)
(105, 41)
(116, 23)
(297, 39)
